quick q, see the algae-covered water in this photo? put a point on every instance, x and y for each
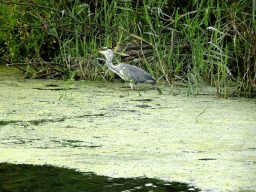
(110, 130)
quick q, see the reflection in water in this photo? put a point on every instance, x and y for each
(24, 177)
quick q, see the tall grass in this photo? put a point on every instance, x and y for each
(197, 46)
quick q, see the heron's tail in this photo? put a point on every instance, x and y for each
(152, 81)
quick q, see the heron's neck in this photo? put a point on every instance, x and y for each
(109, 57)
(110, 64)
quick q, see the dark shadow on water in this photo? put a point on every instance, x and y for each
(25, 177)
(40, 121)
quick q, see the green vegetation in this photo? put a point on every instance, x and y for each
(194, 43)
(23, 177)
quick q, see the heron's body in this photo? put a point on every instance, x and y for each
(133, 74)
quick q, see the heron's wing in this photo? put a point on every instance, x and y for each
(136, 74)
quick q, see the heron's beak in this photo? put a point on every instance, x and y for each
(98, 50)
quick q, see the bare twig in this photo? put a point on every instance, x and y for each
(20, 68)
(34, 63)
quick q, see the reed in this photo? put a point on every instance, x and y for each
(205, 43)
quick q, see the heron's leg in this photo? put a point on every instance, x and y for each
(132, 85)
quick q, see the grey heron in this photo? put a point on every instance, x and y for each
(127, 72)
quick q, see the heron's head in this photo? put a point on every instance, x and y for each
(107, 51)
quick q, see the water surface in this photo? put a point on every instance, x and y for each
(110, 130)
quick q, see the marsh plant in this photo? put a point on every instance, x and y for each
(192, 43)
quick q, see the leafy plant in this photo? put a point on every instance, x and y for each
(195, 43)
